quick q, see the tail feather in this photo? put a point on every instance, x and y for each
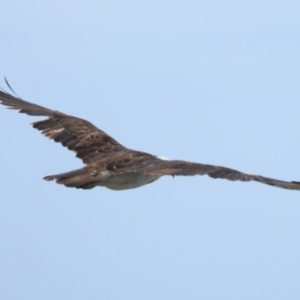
(80, 178)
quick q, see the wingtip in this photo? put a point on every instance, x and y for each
(49, 178)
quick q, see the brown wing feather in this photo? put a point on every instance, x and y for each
(89, 142)
(154, 166)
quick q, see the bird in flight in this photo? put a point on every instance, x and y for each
(107, 162)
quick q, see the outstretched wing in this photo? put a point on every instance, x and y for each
(155, 166)
(89, 142)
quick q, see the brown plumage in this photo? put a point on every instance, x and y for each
(108, 163)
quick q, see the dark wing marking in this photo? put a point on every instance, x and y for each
(89, 142)
(160, 167)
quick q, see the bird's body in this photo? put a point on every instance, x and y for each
(108, 163)
(127, 181)
(103, 173)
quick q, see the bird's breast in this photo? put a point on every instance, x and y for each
(127, 181)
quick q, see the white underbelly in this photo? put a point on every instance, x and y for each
(127, 181)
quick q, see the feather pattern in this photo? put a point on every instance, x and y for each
(89, 142)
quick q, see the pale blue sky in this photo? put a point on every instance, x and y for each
(207, 81)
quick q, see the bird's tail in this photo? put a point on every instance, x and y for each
(80, 178)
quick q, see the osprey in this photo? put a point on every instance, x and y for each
(107, 162)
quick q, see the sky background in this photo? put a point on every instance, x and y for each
(214, 82)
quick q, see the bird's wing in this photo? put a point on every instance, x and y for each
(155, 166)
(89, 142)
